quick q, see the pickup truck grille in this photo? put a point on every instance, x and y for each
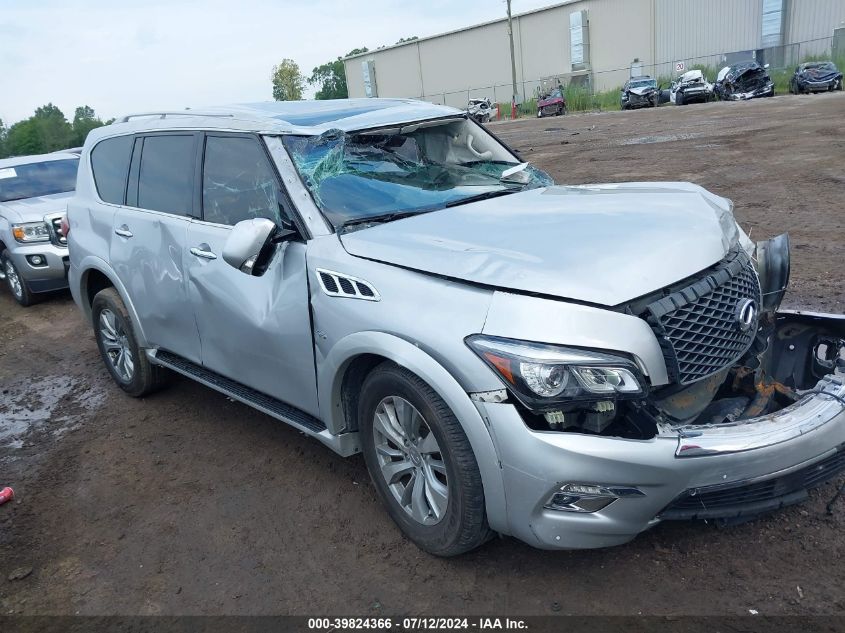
(699, 327)
(55, 224)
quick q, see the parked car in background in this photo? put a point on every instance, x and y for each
(34, 191)
(746, 80)
(691, 87)
(815, 77)
(482, 110)
(639, 92)
(570, 365)
(553, 103)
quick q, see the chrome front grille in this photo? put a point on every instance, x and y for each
(700, 327)
(55, 224)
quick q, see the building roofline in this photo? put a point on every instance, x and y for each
(460, 30)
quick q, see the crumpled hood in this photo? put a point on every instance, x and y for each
(602, 244)
(816, 74)
(34, 209)
(642, 90)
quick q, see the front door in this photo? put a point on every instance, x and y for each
(253, 329)
(149, 236)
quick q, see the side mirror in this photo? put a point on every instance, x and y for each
(246, 242)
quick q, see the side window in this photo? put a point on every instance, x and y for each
(166, 174)
(110, 165)
(238, 182)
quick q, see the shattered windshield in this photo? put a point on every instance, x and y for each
(819, 66)
(642, 83)
(417, 168)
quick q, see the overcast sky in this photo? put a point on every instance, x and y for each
(122, 56)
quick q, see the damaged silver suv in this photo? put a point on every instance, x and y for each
(567, 365)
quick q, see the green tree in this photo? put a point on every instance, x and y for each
(288, 82)
(402, 40)
(3, 133)
(56, 133)
(331, 78)
(84, 120)
(24, 138)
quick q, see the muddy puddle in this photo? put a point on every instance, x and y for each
(662, 138)
(52, 404)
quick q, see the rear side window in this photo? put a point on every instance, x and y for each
(110, 164)
(238, 182)
(166, 175)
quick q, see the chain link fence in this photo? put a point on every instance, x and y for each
(582, 85)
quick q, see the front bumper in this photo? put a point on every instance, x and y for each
(696, 94)
(817, 86)
(640, 101)
(51, 276)
(766, 91)
(535, 464)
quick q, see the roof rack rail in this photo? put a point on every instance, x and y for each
(166, 113)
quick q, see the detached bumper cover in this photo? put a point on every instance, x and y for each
(535, 465)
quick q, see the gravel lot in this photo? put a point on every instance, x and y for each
(185, 502)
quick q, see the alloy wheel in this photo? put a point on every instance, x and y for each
(410, 460)
(14, 280)
(116, 345)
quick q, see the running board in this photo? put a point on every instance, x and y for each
(345, 444)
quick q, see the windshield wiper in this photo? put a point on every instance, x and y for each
(482, 196)
(398, 215)
(381, 218)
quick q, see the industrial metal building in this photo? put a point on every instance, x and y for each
(597, 43)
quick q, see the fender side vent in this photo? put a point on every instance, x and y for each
(339, 285)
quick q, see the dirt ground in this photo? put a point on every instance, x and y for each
(188, 503)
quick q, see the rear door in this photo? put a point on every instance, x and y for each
(149, 238)
(253, 329)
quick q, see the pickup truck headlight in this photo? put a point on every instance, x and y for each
(542, 377)
(31, 232)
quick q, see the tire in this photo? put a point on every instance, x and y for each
(115, 336)
(839, 85)
(15, 283)
(679, 98)
(539, 113)
(438, 452)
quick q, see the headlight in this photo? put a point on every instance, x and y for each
(31, 232)
(544, 376)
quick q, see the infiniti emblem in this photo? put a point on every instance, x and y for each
(746, 314)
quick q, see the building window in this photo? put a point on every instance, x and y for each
(772, 23)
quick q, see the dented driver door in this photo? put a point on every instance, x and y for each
(255, 330)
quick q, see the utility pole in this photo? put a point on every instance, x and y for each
(513, 61)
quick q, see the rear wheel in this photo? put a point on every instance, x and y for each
(17, 284)
(421, 462)
(125, 360)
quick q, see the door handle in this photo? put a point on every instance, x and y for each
(123, 231)
(198, 252)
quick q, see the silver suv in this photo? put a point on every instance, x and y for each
(568, 365)
(34, 191)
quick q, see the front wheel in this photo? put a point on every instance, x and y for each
(421, 462)
(125, 360)
(17, 284)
